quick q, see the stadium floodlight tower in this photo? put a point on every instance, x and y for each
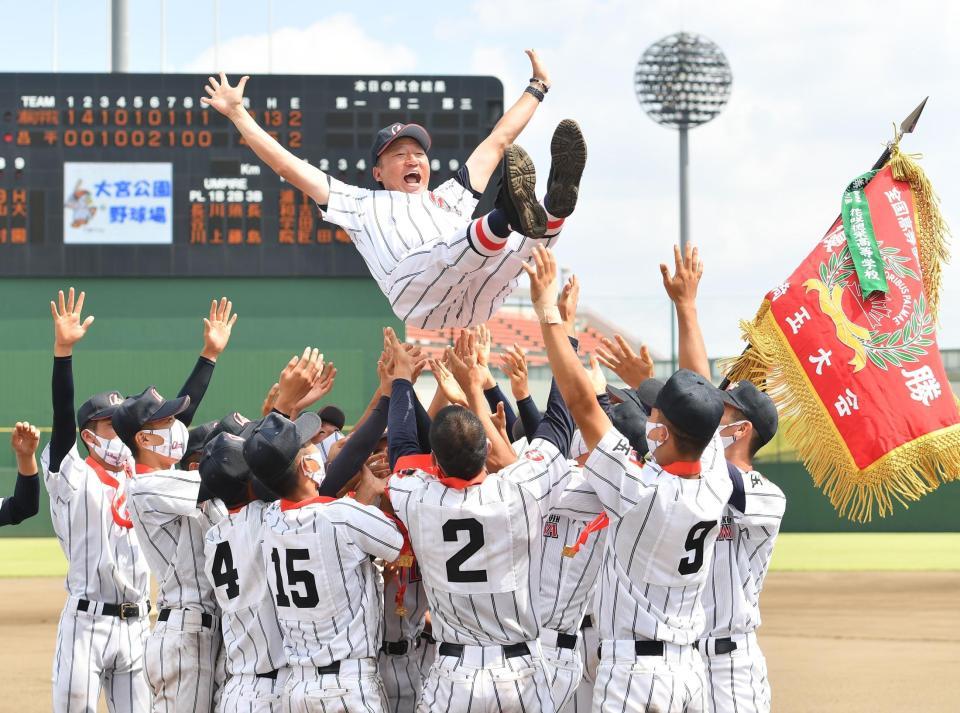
(683, 81)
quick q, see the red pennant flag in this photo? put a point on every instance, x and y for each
(858, 377)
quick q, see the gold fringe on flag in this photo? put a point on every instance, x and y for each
(904, 474)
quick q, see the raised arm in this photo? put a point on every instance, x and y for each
(682, 290)
(571, 378)
(25, 501)
(228, 100)
(485, 158)
(68, 329)
(216, 335)
(491, 389)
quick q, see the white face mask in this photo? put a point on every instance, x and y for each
(730, 440)
(320, 473)
(110, 451)
(174, 440)
(653, 444)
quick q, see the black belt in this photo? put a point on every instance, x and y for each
(587, 622)
(269, 674)
(511, 651)
(126, 610)
(330, 668)
(648, 648)
(721, 646)
(566, 641)
(395, 648)
(206, 620)
(427, 637)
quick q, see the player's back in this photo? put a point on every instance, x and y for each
(253, 642)
(324, 584)
(477, 545)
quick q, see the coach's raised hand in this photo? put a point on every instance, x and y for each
(217, 328)
(223, 97)
(68, 325)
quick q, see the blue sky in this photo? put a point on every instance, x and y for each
(817, 87)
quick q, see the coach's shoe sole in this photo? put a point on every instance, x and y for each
(568, 152)
(524, 211)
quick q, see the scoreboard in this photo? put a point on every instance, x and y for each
(129, 175)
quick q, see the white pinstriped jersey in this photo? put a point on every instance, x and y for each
(326, 589)
(659, 543)
(478, 546)
(409, 626)
(731, 599)
(171, 527)
(252, 640)
(388, 225)
(105, 561)
(567, 584)
(327, 443)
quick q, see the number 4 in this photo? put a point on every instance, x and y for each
(224, 573)
(695, 539)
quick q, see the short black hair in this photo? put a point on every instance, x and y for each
(688, 446)
(283, 484)
(459, 442)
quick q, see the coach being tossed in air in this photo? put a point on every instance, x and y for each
(437, 267)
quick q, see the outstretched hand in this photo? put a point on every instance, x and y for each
(296, 380)
(217, 328)
(688, 269)
(68, 326)
(25, 439)
(543, 278)
(621, 360)
(224, 98)
(447, 383)
(513, 363)
(537, 68)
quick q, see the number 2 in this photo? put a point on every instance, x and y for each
(474, 529)
(695, 539)
(224, 573)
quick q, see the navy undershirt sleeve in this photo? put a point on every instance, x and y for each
(195, 387)
(64, 428)
(25, 501)
(356, 450)
(402, 439)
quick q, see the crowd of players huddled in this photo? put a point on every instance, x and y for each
(604, 550)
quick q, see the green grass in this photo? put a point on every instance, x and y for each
(844, 552)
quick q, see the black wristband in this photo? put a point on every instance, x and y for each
(542, 84)
(535, 92)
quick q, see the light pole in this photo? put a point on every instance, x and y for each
(682, 81)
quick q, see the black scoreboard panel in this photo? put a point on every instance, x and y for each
(128, 174)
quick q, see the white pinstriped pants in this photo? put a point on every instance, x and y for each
(246, 693)
(736, 681)
(483, 681)
(566, 667)
(671, 683)
(401, 680)
(582, 701)
(357, 688)
(180, 659)
(94, 652)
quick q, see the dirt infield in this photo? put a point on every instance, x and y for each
(835, 641)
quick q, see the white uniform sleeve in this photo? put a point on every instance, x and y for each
(764, 502)
(542, 471)
(370, 530)
(62, 485)
(461, 200)
(164, 495)
(620, 481)
(578, 500)
(401, 489)
(346, 205)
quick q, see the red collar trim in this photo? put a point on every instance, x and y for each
(118, 501)
(683, 467)
(461, 484)
(422, 462)
(102, 473)
(234, 511)
(140, 468)
(291, 505)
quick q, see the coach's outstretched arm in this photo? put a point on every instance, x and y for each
(682, 290)
(228, 100)
(486, 157)
(571, 378)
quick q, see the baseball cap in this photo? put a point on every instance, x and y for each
(98, 407)
(275, 442)
(388, 134)
(223, 470)
(630, 419)
(198, 436)
(757, 406)
(234, 423)
(332, 415)
(135, 411)
(691, 403)
(644, 395)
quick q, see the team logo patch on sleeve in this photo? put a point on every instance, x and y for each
(726, 528)
(550, 527)
(533, 455)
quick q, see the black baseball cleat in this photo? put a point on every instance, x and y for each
(517, 196)
(568, 152)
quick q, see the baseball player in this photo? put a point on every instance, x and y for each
(331, 429)
(25, 501)
(437, 267)
(317, 551)
(404, 616)
(476, 536)
(663, 524)
(252, 640)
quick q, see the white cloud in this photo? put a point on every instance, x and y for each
(337, 44)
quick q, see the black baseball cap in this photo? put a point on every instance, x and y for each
(275, 442)
(198, 436)
(757, 406)
(388, 134)
(98, 407)
(223, 470)
(135, 411)
(644, 395)
(333, 416)
(234, 423)
(691, 403)
(630, 419)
